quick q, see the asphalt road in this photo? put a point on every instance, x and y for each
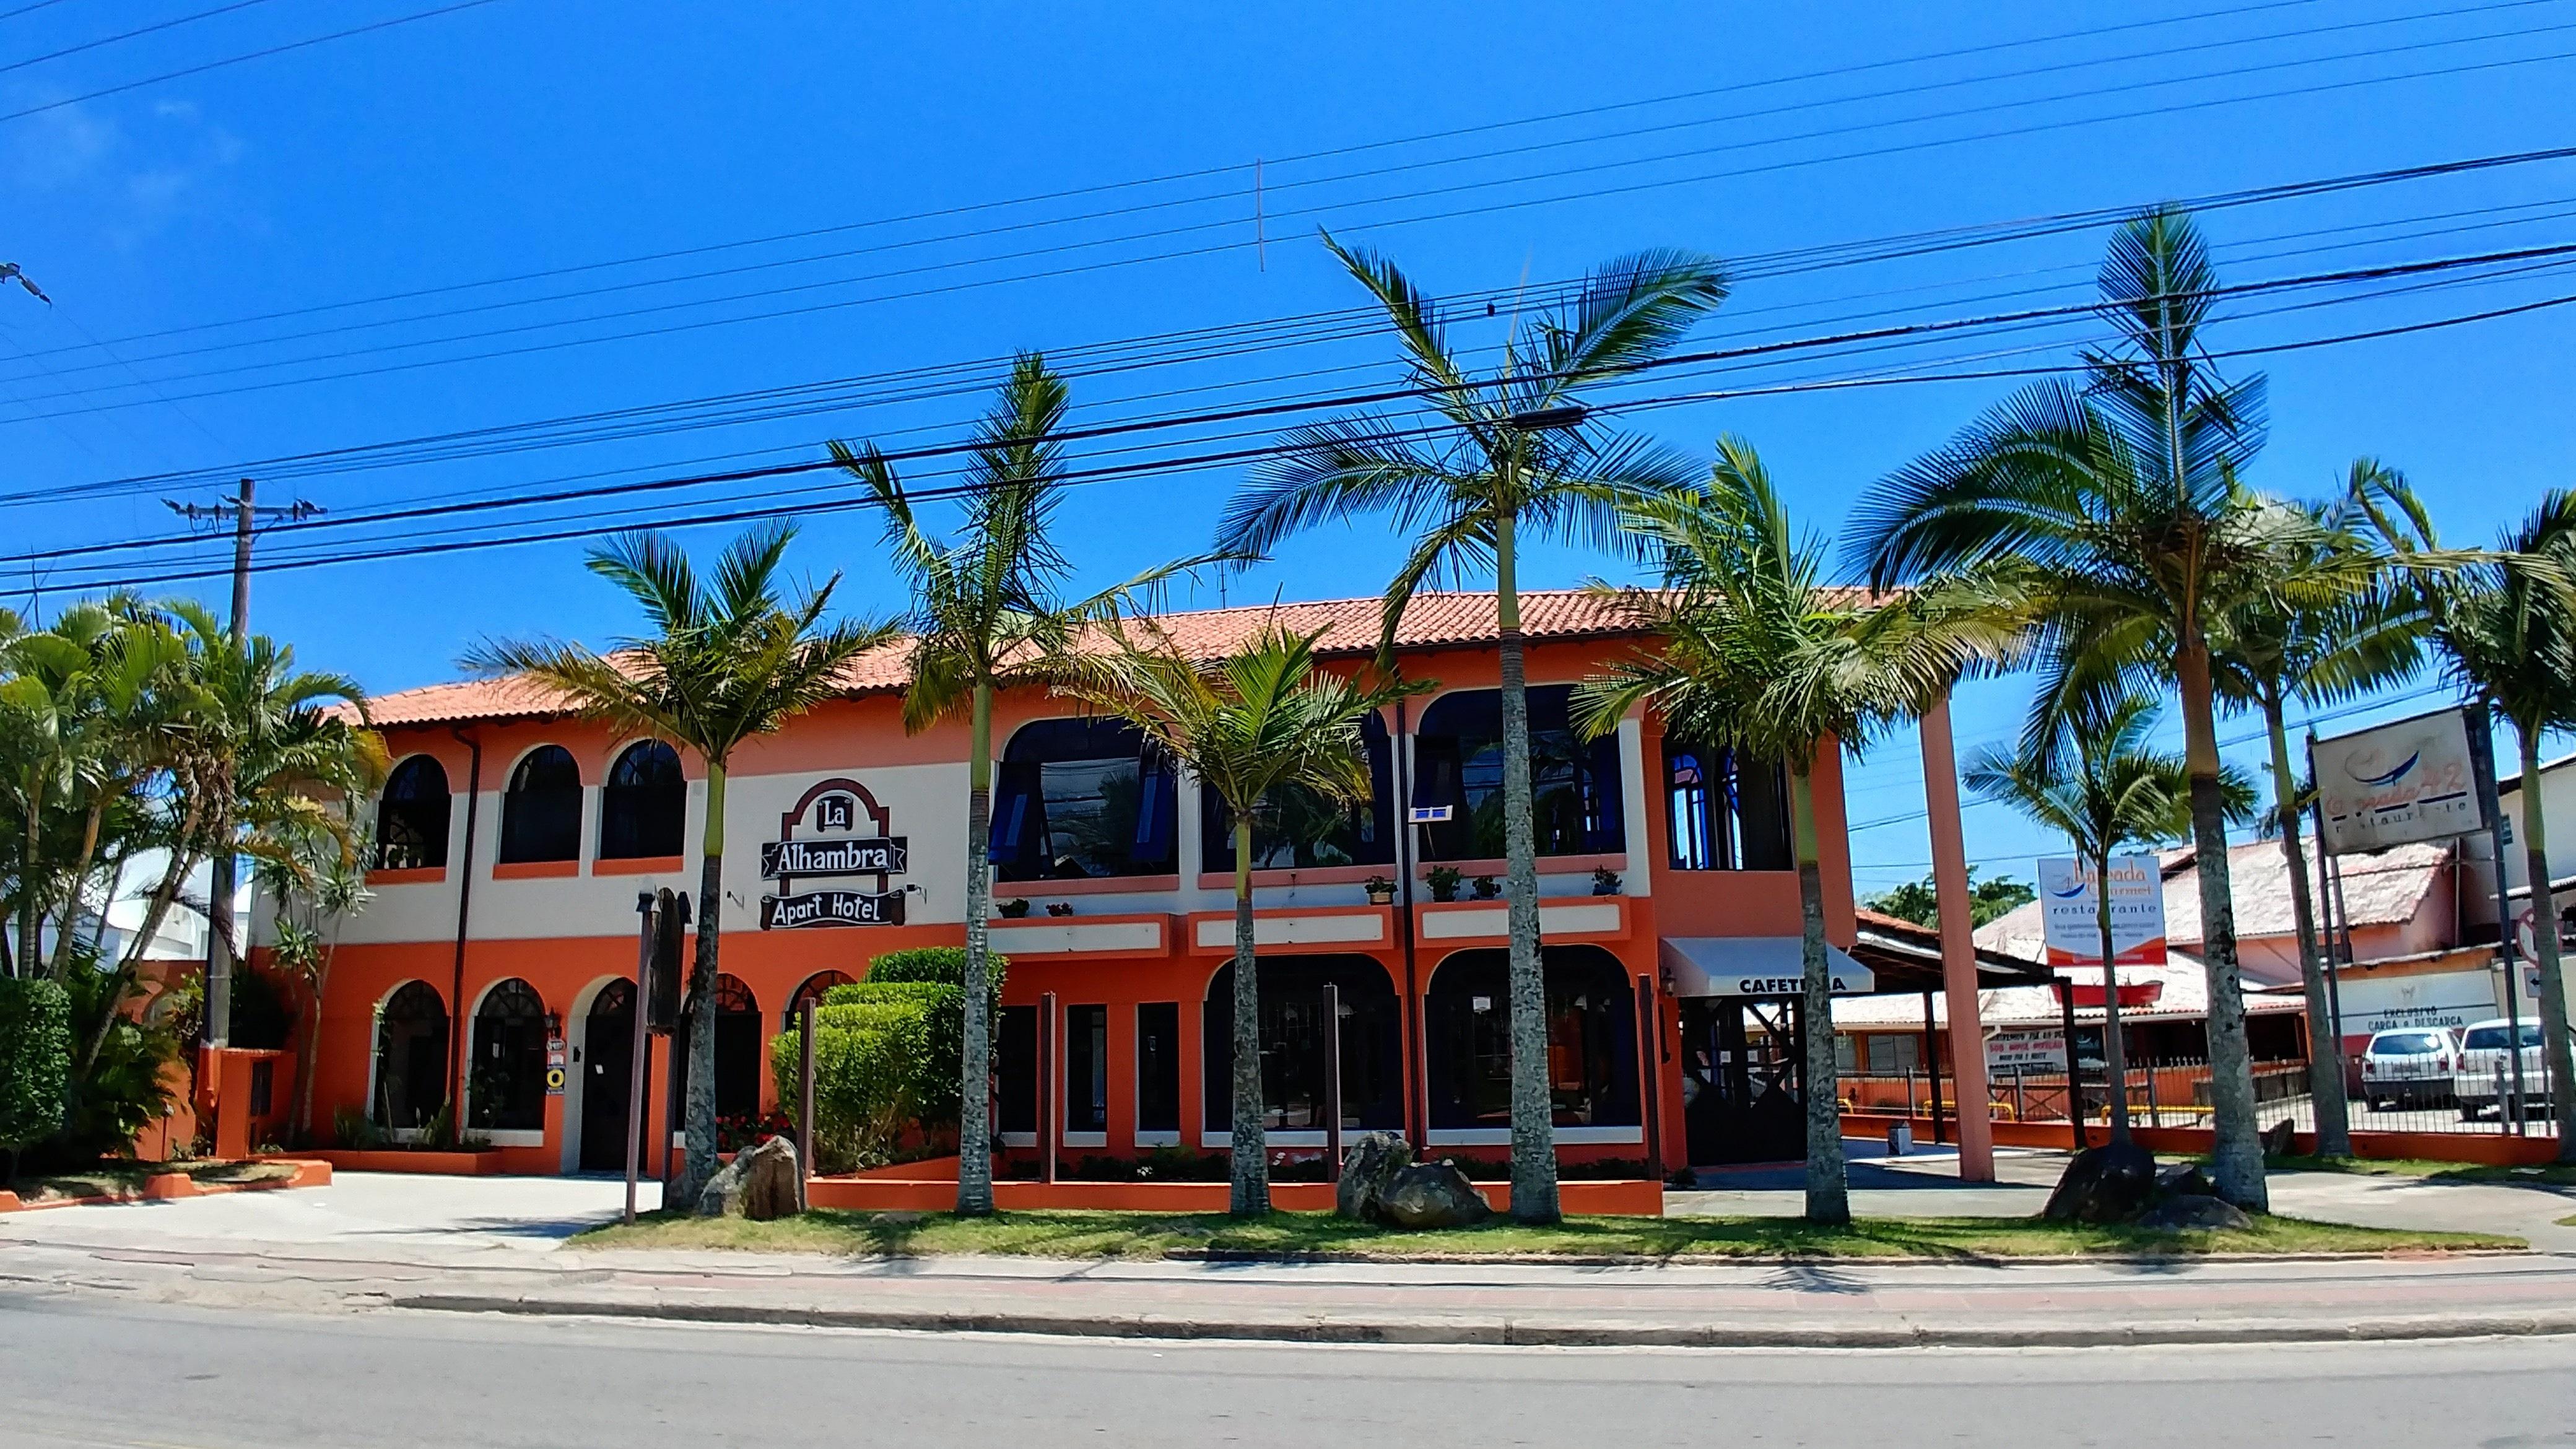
(81, 1370)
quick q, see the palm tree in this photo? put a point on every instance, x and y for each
(985, 616)
(2272, 648)
(2506, 629)
(2104, 788)
(2117, 504)
(729, 659)
(1508, 453)
(1760, 655)
(1259, 727)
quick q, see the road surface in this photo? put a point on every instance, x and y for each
(77, 1369)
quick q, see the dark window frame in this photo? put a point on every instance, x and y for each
(1291, 997)
(411, 818)
(1158, 1066)
(1580, 798)
(644, 818)
(1086, 1067)
(413, 1012)
(506, 1081)
(541, 808)
(1024, 836)
(1363, 830)
(1723, 811)
(1591, 1014)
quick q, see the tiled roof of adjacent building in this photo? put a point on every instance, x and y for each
(1348, 627)
(2380, 888)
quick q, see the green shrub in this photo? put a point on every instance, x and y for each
(35, 1061)
(869, 1078)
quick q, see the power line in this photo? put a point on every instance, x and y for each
(130, 34)
(675, 328)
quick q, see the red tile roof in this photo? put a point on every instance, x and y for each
(1349, 627)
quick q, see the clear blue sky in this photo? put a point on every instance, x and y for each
(528, 136)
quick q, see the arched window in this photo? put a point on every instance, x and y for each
(1300, 830)
(813, 989)
(1292, 1044)
(505, 1079)
(541, 811)
(411, 1058)
(1591, 1039)
(1078, 799)
(1727, 812)
(644, 807)
(411, 821)
(1458, 762)
(738, 1048)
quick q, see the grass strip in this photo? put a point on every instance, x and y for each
(2555, 1175)
(125, 1179)
(1290, 1235)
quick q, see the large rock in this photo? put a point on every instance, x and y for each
(2194, 1212)
(2184, 1177)
(1434, 1195)
(1368, 1170)
(2106, 1184)
(2279, 1138)
(761, 1183)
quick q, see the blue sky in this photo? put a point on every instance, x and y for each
(567, 137)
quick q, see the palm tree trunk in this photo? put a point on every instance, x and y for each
(1828, 1191)
(1250, 1143)
(2325, 1047)
(1533, 1106)
(72, 898)
(975, 1073)
(2544, 941)
(699, 1095)
(2115, 1050)
(2236, 1158)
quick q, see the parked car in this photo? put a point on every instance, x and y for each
(2409, 1067)
(2484, 1067)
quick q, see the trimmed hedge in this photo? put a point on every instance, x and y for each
(35, 1061)
(888, 1055)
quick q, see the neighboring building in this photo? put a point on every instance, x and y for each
(514, 838)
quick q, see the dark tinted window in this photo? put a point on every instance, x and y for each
(411, 823)
(644, 806)
(505, 1081)
(1298, 829)
(541, 811)
(1158, 1066)
(1015, 1069)
(1727, 812)
(1086, 1069)
(1077, 799)
(1591, 1040)
(1458, 762)
(1292, 1028)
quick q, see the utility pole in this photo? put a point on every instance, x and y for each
(245, 515)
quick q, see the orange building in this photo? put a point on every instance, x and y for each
(513, 840)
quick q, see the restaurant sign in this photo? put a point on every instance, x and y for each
(834, 813)
(2395, 783)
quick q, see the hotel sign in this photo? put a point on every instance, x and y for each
(2408, 781)
(833, 813)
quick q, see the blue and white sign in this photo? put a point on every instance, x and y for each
(2408, 781)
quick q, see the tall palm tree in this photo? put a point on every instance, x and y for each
(985, 615)
(2117, 503)
(730, 658)
(2506, 629)
(1505, 454)
(2105, 789)
(1760, 655)
(1257, 727)
(2321, 650)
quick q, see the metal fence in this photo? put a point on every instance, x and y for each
(2175, 1093)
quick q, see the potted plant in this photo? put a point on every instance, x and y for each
(1012, 908)
(1487, 887)
(1059, 908)
(1443, 880)
(1381, 891)
(1605, 881)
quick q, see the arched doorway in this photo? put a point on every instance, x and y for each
(1292, 1045)
(812, 990)
(738, 1047)
(505, 1081)
(411, 1058)
(1591, 1040)
(607, 1076)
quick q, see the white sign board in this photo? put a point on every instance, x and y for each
(2016, 1053)
(2374, 1003)
(2070, 914)
(2412, 780)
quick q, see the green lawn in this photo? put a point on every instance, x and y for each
(1156, 1235)
(125, 1179)
(2555, 1175)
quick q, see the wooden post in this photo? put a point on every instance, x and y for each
(1046, 1087)
(636, 1064)
(1332, 1082)
(1932, 1065)
(804, 1096)
(1650, 1078)
(1958, 943)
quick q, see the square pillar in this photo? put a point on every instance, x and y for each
(1958, 945)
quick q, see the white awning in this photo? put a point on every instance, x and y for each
(1755, 966)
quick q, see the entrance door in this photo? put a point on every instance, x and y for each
(608, 1065)
(1744, 1068)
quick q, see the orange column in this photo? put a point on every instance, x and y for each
(1958, 945)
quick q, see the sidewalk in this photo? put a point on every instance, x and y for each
(496, 1245)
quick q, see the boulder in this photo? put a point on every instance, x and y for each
(1434, 1195)
(1368, 1169)
(762, 1182)
(2106, 1184)
(2276, 1138)
(2193, 1212)
(2184, 1177)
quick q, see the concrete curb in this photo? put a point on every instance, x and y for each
(1504, 1332)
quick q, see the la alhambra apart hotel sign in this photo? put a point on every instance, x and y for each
(845, 835)
(2399, 783)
